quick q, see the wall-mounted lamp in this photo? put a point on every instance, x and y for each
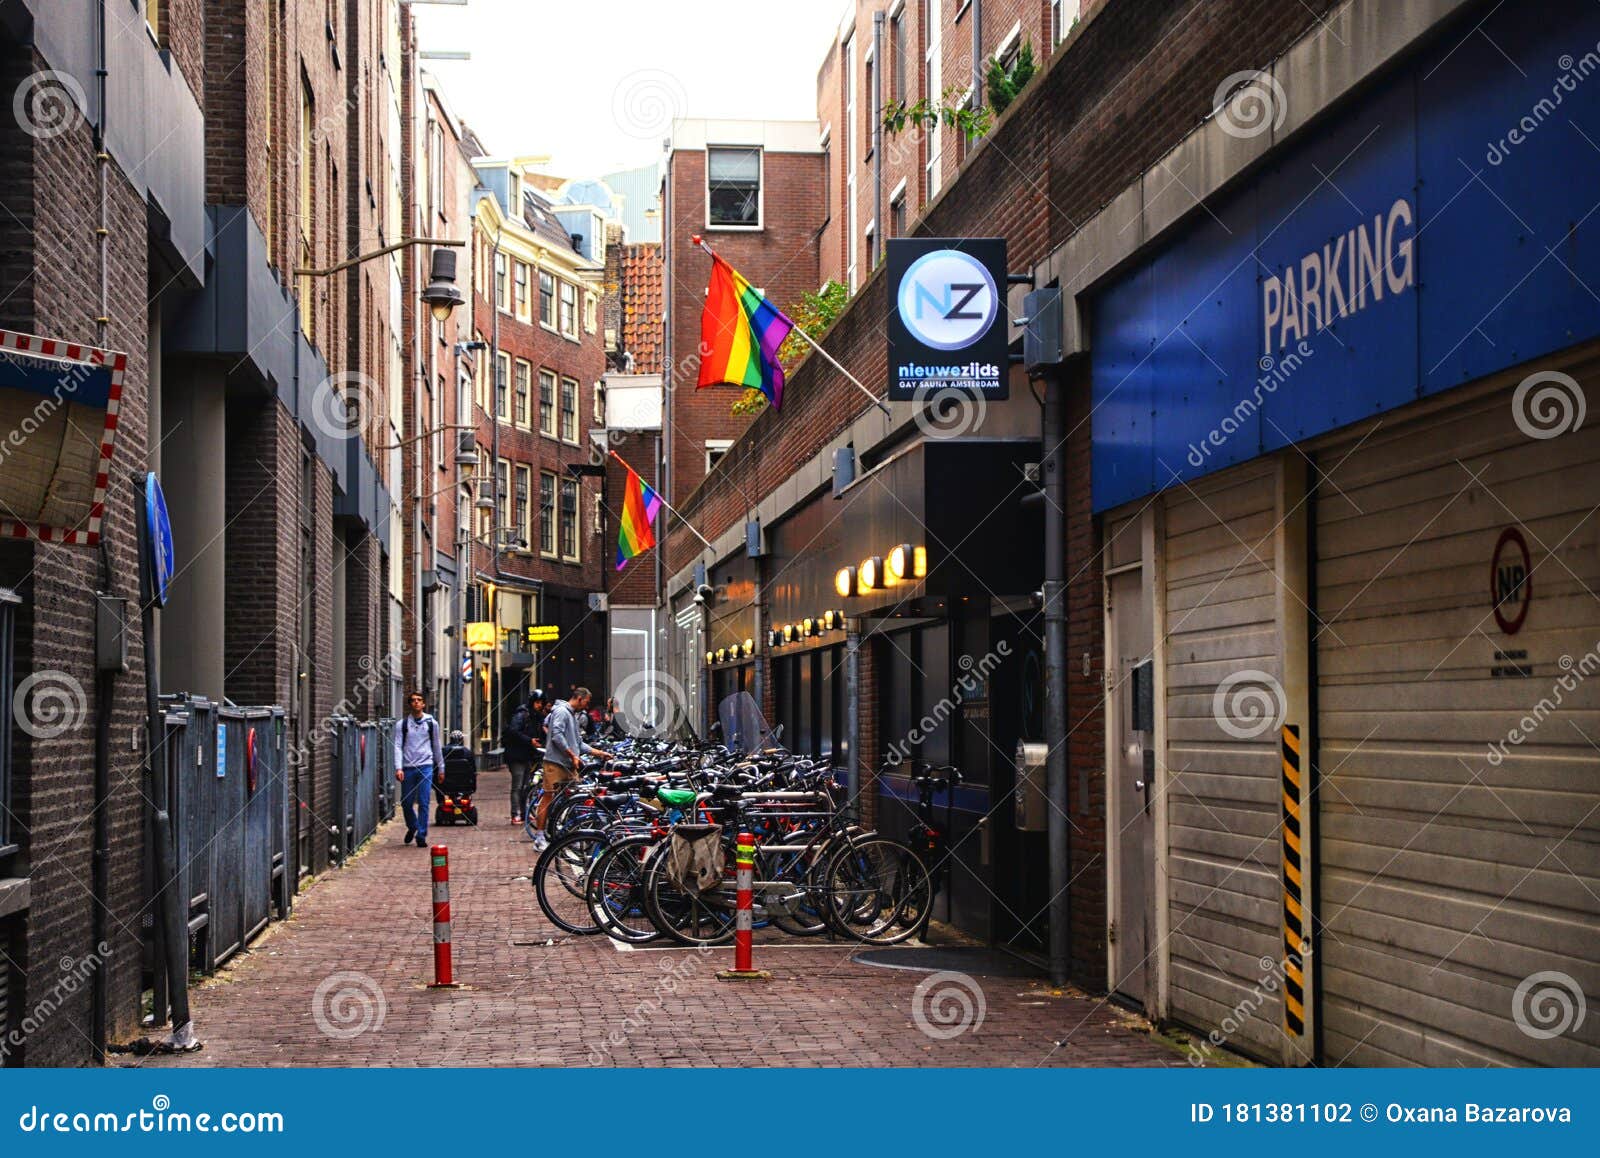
(749, 647)
(869, 574)
(844, 582)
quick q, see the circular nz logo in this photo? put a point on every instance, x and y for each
(948, 299)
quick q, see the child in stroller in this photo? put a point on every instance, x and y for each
(460, 784)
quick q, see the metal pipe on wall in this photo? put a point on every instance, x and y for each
(875, 103)
(1055, 681)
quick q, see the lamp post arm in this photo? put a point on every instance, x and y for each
(377, 253)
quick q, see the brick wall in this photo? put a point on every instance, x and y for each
(780, 259)
(48, 241)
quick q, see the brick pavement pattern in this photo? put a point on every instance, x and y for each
(343, 983)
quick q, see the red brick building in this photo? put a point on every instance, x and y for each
(540, 542)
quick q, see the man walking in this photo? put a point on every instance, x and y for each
(563, 755)
(521, 744)
(418, 762)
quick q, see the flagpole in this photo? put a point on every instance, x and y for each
(666, 504)
(812, 342)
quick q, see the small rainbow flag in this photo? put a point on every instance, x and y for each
(740, 332)
(639, 506)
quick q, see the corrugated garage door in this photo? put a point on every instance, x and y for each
(1223, 801)
(1449, 878)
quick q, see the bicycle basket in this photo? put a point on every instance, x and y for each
(695, 857)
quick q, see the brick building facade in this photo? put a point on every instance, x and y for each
(249, 174)
(1076, 136)
(539, 549)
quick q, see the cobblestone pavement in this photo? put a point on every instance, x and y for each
(343, 983)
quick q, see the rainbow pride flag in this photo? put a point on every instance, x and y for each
(740, 332)
(639, 506)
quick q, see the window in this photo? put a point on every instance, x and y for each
(436, 211)
(522, 290)
(569, 519)
(523, 514)
(480, 376)
(934, 92)
(308, 122)
(502, 376)
(872, 99)
(851, 133)
(897, 54)
(588, 313)
(547, 513)
(502, 497)
(826, 145)
(733, 194)
(547, 403)
(897, 211)
(872, 244)
(1063, 16)
(547, 298)
(716, 451)
(485, 489)
(152, 17)
(524, 389)
(599, 404)
(438, 425)
(569, 410)
(569, 309)
(481, 265)
(514, 198)
(501, 298)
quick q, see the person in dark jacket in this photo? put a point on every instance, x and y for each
(522, 740)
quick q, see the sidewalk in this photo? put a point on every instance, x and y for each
(343, 983)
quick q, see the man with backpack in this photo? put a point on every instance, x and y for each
(418, 762)
(521, 742)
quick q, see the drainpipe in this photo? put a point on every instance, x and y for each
(852, 712)
(875, 101)
(1055, 680)
(977, 54)
(105, 681)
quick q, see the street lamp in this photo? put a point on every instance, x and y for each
(442, 295)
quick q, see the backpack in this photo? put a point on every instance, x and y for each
(516, 727)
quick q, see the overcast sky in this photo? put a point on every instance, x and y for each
(595, 83)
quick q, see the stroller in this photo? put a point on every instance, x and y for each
(460, 784)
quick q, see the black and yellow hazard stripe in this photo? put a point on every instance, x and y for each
(1294, 919)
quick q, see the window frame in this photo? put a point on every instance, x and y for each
(569, 391)
(547, 280)
(522, 505)
(718, 447)
(566, 515)
(522, 394)
(547, 514)
(567, 310)
(502, 282)
(520, 299)
(761, 190)
(502, 387)
(547, 402)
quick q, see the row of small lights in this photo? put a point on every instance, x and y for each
(737, 651)
(877, 572)
(872, 573)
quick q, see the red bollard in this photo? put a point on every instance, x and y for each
(744, 880)
(443, 975)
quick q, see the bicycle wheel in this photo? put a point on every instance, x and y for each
(877, 891)
(614, 890)
(560, 876)
(688, 918)
(799, 911)
(530, 807)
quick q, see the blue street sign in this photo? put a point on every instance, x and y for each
(222, 745)
(160, 539)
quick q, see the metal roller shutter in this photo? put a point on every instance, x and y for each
(1222, 640)
(1450, 878)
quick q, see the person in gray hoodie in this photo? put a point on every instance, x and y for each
(563, 755)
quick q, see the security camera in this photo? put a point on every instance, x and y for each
(703, 593)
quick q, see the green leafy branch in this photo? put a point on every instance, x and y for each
(952, 110)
